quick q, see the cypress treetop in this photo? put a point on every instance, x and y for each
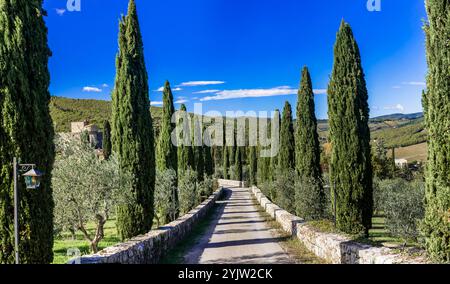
(348, 111)
(132, 130)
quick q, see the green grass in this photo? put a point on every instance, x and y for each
(379, 235)
(325, 226)
(65, 242)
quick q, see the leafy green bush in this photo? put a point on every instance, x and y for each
(268, 189)
(285, 187)
(310, 199)
(188, 191)
(379, 197)
(205, 188)
(165, 187)
(402, 203)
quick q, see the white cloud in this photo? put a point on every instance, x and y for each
(173, 90)
(207, 92)
(251, 93)
(182, 101)
(105, 85)
(254, 93)
(201, 83)
(92, 89)
(60, 12)
(413, 83)
(156, 103)
(396, 87)
(397, 107)
(320, 91)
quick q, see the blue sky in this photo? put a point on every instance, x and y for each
(241, 54)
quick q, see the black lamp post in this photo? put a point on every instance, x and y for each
(32, 180)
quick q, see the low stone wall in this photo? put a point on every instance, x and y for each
(231, 183)
(334, 248)
(153, 246)
(285, 219)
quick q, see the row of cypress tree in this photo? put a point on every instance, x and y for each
(299, 150)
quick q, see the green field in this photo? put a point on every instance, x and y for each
(412, 153)
(65, 242)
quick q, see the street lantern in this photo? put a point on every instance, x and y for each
(32, 179)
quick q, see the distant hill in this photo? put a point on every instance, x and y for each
(398, 116)
(397, 130)
(64, 111)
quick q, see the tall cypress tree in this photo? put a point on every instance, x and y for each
(238, 164)
(253, 166)
(217, 153)
(232, 148)
(185, 154)
(198, 152)
(132, 130)
(310, 196)
(263, 163)
(166, 150)
(106, 140)
(436, 102)
(287, 147)
(209, 163)
(200, 162)
(348, 111)
(225, 164)
(274, 160)
(26, 129)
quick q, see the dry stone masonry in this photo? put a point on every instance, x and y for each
(153, 246)
(334, 248)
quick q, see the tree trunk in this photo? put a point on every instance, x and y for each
(99, 233)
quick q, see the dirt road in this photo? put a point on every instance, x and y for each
(238, 234)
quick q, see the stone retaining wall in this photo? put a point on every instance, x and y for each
(153, 246)
(334, 248)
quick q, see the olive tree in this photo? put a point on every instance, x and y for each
(86, 189)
